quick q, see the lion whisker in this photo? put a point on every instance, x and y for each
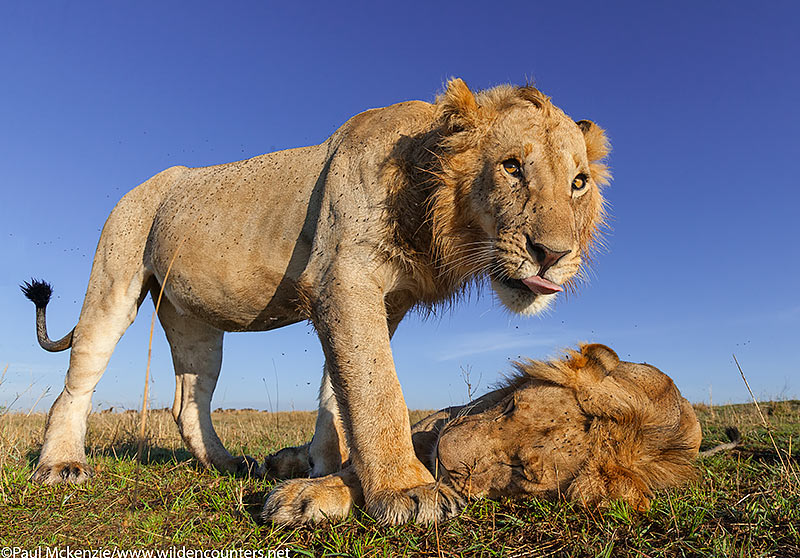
(470, 263)
(476, 255)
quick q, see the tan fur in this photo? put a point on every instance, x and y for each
(588, 428)
(403, 206)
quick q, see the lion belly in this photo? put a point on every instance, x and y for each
(242, 233)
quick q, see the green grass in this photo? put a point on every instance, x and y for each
(743, 503)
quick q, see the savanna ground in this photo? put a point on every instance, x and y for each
(745, 502)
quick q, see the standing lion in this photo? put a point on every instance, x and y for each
(403, 206)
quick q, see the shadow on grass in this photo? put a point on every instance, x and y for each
(765, 456)
(151, 455)
(254, 503)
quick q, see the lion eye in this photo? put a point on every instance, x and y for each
(579, 182)
(512, 167)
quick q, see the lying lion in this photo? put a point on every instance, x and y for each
(589, 427)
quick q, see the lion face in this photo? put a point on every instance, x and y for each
(528, 178)
(532, 442)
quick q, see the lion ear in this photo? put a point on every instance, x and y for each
(601, 356)
(597, 149)
(597, 144)
(458, 106)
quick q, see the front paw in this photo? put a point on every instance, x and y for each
(73, 472)
(300, 501)
(428, 503)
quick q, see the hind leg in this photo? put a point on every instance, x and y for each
(109, 308)
(197, 357)
(327, 450)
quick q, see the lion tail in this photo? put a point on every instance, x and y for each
(733, 435)
(39, 292)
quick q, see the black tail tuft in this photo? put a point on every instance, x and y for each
(39, 292)
(733, 434)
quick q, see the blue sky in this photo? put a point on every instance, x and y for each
(700, 101)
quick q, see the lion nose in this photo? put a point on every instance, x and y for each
(546, 257)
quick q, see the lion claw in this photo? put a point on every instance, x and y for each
(300, 501)
(429, 503)
(69, 472)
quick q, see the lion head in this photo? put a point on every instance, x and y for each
(589, 427)
(518, 192)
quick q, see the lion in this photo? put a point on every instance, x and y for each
(587, 428)
(402, 207)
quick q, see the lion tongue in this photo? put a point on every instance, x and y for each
(540, 285)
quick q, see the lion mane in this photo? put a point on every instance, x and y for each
(438, 246)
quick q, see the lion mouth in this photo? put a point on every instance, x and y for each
(535, 284)
(540, 285)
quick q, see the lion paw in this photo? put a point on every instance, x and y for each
(300, 501)
(73, 472)
(428, 503)
(288, 463)
(247, 466)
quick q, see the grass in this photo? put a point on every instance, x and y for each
(745, 502)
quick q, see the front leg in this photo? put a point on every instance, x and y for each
(350, 317)
(328, 449)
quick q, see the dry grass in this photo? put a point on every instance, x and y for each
(744, 502)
